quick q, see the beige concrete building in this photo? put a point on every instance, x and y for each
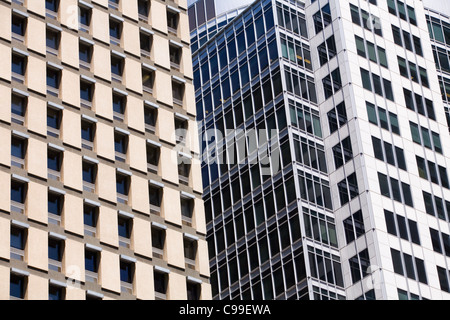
(93, 202)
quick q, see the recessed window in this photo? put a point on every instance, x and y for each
(55, 208)
(85, 55)
(18, 195)
(115, 31)
(150, 116)
(175, 57)
(17, 286)
(172, 22)
(86, 94)
(117, 64)
(193, 291)
(89, 176)
(145, 44)
(18, 27)
(122, 188)
(90, 214)
(53, 81)
(120, 146)
(52, 7)
(181, 127)
(187, 210)
(18, 151)
(18, 109)
(147, 80)
(18, 241)
(161, 280)
(84, 18)
(113, 4)
(155, 195)
(56, 293)
(126, 276)
(87, 134)
(119, 105)
(152, 158)
(91, 263)
(54, 163)
(158, 241)
(53, 39)
(184, 170)
(143, 10)
(18, 67)
(178, 92)
(55, 254)
(190, 252)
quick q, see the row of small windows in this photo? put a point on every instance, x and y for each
(386, 152)
(359, 265)
(419, 104)
(292, 20)
(430, 171)
(368, 50)
(279, 238)
(332, 83)
(439, 30)
(402, 227)
(18, 285)
(87, 86)
(325, 267)
(322, 18)
(300, 85)
(337, 117)
(348, 189)
(440, 241)
(327, 50)
(382, 118)
(396, 190)
(88, 129)
(310, 154)
(296, 51)
(305, 118)
(412, 71)
(354, 227)
(436, 206)
(366, 20)
(320, 227)
(315, 190)
(406, 265)
(342, 152)
(404, 12)
(19, 190)
(19, 27)
(425, 137)
(377, 84)
(441, 57)
(409, 41)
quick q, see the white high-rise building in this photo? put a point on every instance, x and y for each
(379, 97)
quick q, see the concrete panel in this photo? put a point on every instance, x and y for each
(72, 169)
(108, 226)
(37, 249)
(71, 128)
(36, 204)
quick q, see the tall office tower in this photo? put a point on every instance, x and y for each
(94, 203)
(358, 208)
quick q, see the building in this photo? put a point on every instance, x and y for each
(358, 207)
(95, 202)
